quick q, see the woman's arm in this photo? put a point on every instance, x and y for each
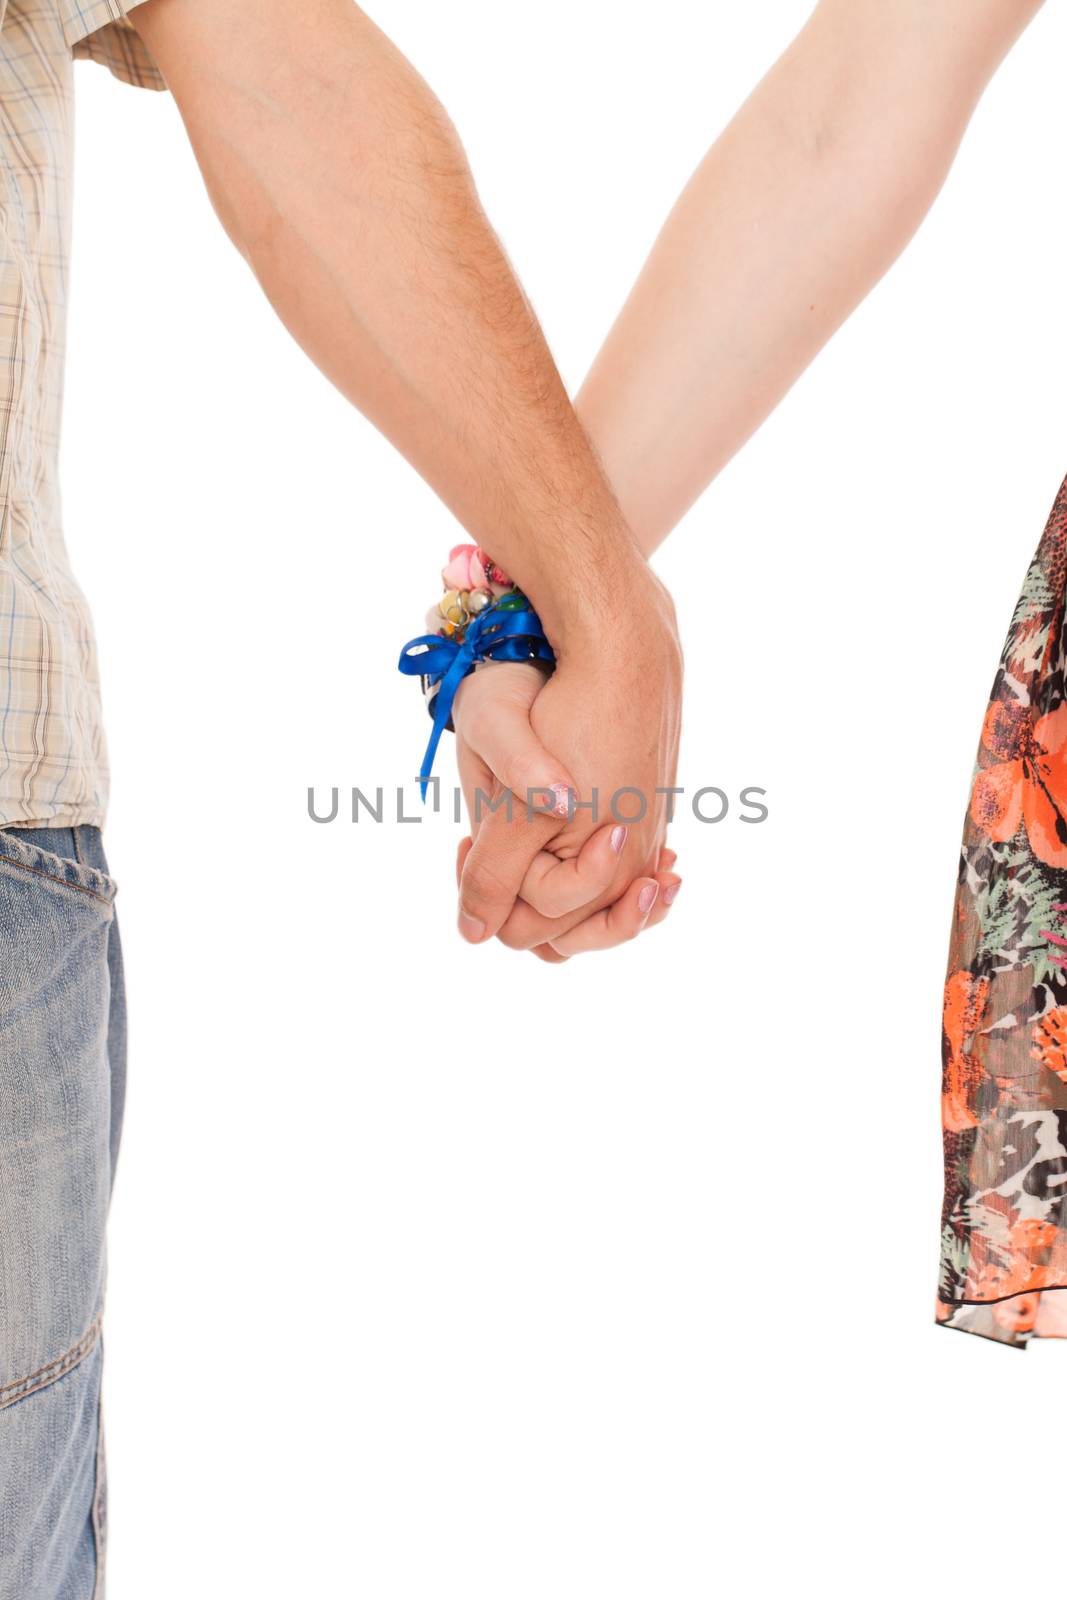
(808, 197)
(799, 208)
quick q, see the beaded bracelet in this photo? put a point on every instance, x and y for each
(482, 616)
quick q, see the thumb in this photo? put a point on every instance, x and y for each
(508, 745)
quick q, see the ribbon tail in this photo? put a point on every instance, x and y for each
(439, 725)
(442, 711)
(495, 634)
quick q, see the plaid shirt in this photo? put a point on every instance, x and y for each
(53, 760)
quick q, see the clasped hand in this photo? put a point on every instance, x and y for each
(602, 733)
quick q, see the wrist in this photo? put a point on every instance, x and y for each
(594, 625)
(581, 601)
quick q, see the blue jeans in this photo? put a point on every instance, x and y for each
(62, 1078)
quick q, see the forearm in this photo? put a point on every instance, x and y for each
(800, 207)
(340, 178)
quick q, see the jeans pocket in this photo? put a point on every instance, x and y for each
(53, 856)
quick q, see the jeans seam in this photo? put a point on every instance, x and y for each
(54, 1370)
(98, 1519)
(54, 877)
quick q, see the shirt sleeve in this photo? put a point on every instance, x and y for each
(100, 30)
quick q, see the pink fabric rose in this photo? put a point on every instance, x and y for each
(466, 568)
(470, 568)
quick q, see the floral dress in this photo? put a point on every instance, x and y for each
(1004, 1041)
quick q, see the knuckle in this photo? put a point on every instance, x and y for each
(514, 937)
(525, 928)
(542, 898)
(516, 771)
(481, 885)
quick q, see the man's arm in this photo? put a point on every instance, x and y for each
(806, 199)
(340, 178)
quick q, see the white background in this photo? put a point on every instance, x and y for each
(436, 1271)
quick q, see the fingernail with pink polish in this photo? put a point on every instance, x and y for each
(562, 807)
(618, 839)
(670, 893)
(647, 898)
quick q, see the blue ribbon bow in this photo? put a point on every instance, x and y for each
(494, 635)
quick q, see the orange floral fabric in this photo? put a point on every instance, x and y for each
(1004, 1038)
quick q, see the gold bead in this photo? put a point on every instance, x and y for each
(452, 608)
